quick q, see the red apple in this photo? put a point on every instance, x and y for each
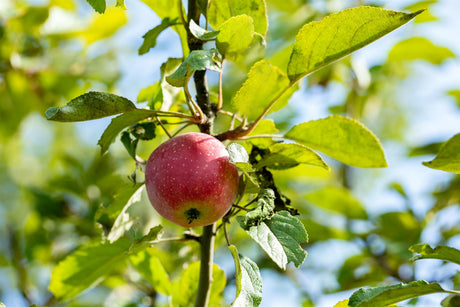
(190, 181)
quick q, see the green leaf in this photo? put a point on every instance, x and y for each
(98, 5)
(220, 11)
(125, 219)
(451, 301)
(150, 38)
(129, 143)
(426, 15)
(456, 95)
(264, 210)
(322, 42)
(197, 60)
(86, 267)
(290, 232)
(441, 252)
(265, 83)
(91, 105)
(201, 33)
(280, 237)
(171, 94)
(151, 94)
(265, 127)
(248, 281)
(342, 138)
(121, 4)
(343, 303)
(236, 34)
(119, 123)
(237, 153)
(393, 224)
(287, 155)
(143, 131)
(170, 9)
(419, 48)
(338, 200)
(360, 270)
(186, 288)
(151, 269)
(104, 26)
(448, 158)
(383, 296)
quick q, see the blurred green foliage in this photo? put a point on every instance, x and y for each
(58, 193)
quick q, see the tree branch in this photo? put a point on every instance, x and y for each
(209, 111)
(207, 255)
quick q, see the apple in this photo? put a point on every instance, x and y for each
(190, 180)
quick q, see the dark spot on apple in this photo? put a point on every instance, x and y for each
(192, 214)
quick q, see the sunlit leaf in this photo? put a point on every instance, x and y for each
(342, 138)
(382, 296)
(427, 15)
(119, 123)
(125, 219)
(150, 38)
(448, 158)
(86, 267)
(265, 83)
(151, 269)
(248, 281)
(322, 42)
(419, 48)
(105, 25)
(197, 60)
(264, 128)
(91, 105)
(220, 11)
(287, 155)
(338, 200)
(172, 10)
(201, 33)
(235, 34)
(441, 252)
(343, 303)
(152, 94)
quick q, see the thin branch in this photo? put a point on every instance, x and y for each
(220, 101)
(267, 109)
(194, 107)
(241, 208)
(163, 127)
(182, 128)
(271, 136)
(226, 234)
(242, 130)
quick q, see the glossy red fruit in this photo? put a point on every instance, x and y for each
(190, 181)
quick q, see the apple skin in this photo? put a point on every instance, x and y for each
(190, 181)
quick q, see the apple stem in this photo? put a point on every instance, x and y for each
(207, 255)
